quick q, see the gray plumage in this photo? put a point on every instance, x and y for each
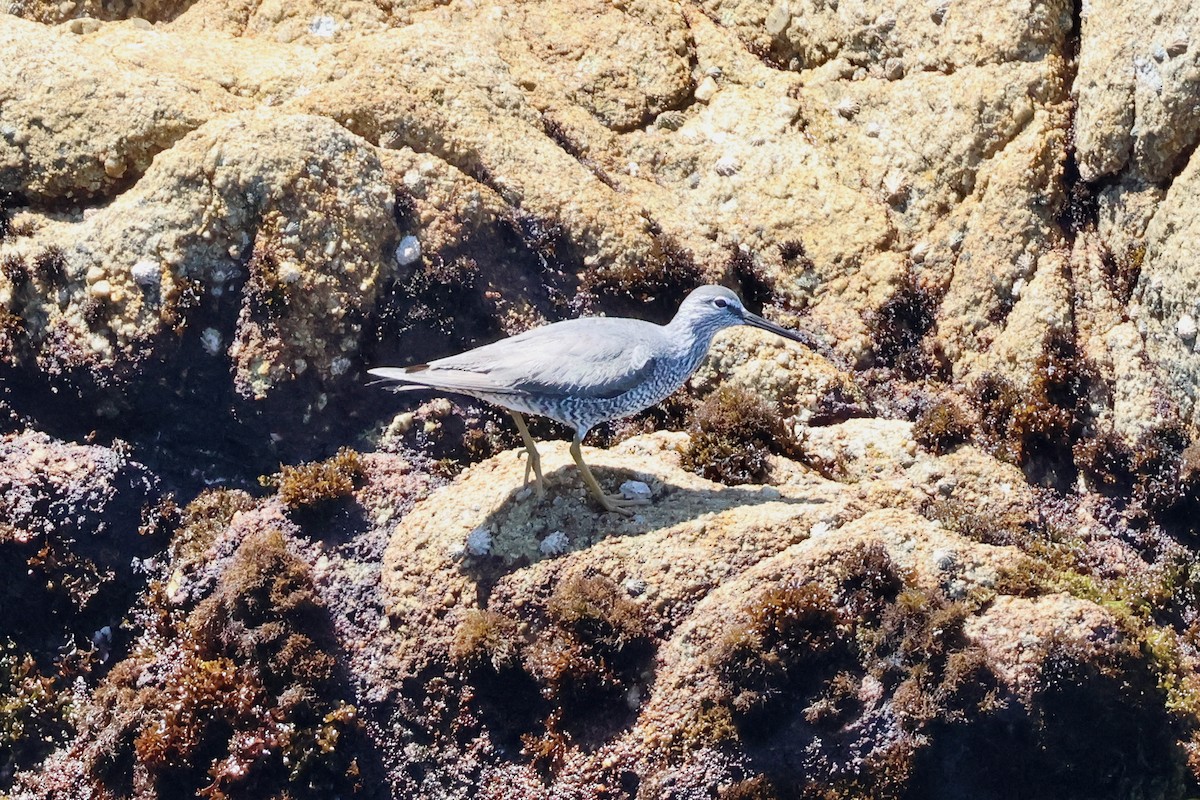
(583, 371)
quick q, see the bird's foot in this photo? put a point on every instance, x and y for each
(533, 464)
(621, 504)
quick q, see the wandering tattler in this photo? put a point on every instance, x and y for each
(584, 371)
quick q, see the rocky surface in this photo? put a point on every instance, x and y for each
(951, 552)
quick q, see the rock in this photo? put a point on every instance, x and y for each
(546, 136)
(1133, 107)
(1167, 295)
(222, 213)
(246, 614)
(704, 560)
(635, 490)
(101, 111)
(74, 522)
(871, 35)
(215, 215)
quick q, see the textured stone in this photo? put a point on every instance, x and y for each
(1168, 290)
(1139, 71)
(201, 205)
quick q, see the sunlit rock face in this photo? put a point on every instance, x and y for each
(946, 552)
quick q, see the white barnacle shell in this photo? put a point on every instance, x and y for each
(635, 490)
(323, 27)
(408, 251)
(847, 108)
(727, 165)
(706, 89)
(895, 186)
(1185, 328)
(1025, 263)
(778, 19)
(670, 120)
(479, 542)
(146, 273)
(555, 544)
(1147, 74)
(210, 340)
(289, 272)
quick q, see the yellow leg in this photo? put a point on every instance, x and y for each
(534, 460)
(611, 502)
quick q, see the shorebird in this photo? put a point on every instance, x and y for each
(584, 371)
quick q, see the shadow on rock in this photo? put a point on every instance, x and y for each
(523, 529)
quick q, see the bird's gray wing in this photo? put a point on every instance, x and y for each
(590, 358)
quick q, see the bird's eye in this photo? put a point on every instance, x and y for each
(721, 302)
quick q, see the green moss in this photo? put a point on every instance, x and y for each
(756, 283)
(181, 296)
(12, 335)
(668, 272)
(991, 527)
(1123, 271)
(548, 750)
(265, 294)
(868, 580)
(263, 611)
(1109, 689)
(595, 611)
(1034, 426)
(405, 210)
(1167, 476)
(50, 265)
(594, 649)
(733, 434)
(16, 270)
(319, 482)
(785, 634)
(793, 251)
(1107, 463)
(1144, 605)
(802, 668)
(1178, 682)
(567, 682)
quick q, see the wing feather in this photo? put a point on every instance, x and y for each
(590, 358)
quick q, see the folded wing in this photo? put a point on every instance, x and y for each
(591, 358)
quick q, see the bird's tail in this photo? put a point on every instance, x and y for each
(403, 376)
(421, 376)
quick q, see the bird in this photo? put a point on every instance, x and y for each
(584, 371)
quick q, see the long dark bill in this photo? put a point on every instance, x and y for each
(767, 325)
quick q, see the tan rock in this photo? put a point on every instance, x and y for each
(102, 110)
(1139, 69)
(1167, 296)
(220, 211)
(695, 536)
(938, 162)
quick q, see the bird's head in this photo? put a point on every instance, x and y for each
(709, 309)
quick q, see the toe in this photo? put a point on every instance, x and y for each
(622, 500)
